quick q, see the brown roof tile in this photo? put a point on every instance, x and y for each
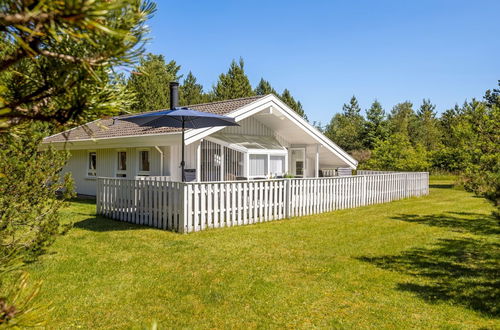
(107, 128)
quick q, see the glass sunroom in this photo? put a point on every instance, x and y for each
(226, 157)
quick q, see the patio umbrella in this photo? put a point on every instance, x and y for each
(183, 118)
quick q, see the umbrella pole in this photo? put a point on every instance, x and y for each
(182, 154)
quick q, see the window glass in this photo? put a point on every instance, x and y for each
(299, 167)
(92, 164)
(122, 161)
(298, 162)
(144, 161)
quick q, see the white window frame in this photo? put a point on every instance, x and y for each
(139, 172)
(284, 156)
(90, 173)
(269, 153)
(118, 172)
(266, 166)
(291, 166)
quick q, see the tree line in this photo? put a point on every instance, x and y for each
(149, 84)
(404, 138)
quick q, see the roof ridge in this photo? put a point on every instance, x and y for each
(187, 106)
(224, 101)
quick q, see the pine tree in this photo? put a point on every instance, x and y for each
(191, 92)
(427, 132)
(347, 128)
(150, 83)
(56, 60)
(233, 84)
(479, 140)
(352, 109)
(264, 88)
(402, 119)
(375, 125)
(289, 100)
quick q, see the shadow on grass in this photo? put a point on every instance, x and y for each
(475, 223)
(464, 271)
(101, 224)
(461, 271)
(441, 186)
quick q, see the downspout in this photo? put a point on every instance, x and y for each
(161, 159)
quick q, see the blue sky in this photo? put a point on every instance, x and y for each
(326, 51)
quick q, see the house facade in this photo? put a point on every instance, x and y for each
(271, 141)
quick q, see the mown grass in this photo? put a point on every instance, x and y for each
(428, 262)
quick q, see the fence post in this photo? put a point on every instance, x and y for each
(364, 190)
(288, 198)
(406, 192)
(98, 196)
(183, 208)
(426, 180)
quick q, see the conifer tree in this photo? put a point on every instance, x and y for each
(56, 70)
(150, 83)
(402, 119)
(264, 88)
(375, 125)
(347, 128)
(352, 109)
(190, 92)
(234, 83)
(289, 100)
(427, 132)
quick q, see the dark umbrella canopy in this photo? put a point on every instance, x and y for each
(183, 118)
(179, 116)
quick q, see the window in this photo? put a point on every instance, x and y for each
(92, 164)
(299, 167)
(277, 165)
(298, 161)
(144, 167)
(121, 170)
(258, 165)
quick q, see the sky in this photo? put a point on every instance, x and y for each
(326, 51)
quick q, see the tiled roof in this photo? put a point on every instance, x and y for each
(107, 128)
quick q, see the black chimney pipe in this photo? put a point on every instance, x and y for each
(174, 94)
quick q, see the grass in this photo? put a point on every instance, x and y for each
(429, 262)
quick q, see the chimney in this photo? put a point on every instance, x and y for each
(174, 94)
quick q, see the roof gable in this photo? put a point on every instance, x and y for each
(273, 103)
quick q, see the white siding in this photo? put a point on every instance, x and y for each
(107, 164)
(175, 159)
(249, 126)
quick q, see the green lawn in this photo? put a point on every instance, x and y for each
(421, 263)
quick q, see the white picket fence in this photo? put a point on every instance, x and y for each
(194, 206)
(156, 203)
(371, 172)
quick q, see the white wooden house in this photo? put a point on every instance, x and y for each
(271, 141)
